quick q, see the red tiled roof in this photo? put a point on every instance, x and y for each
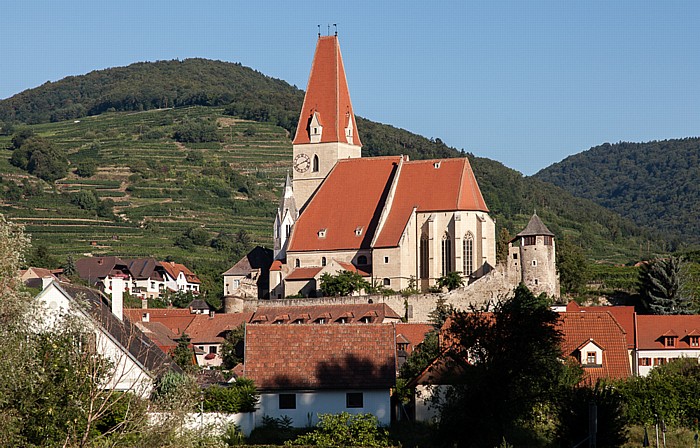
(303, 274)
(276, 266)
(327, 94)
(174, 270)
(355, 191)
(601, 328)
(624, 315)
(320, 356)
(450, 186)
(413, 333)
(650, 328)
(206, 329)
(352, 268)
(158, 333)
(177, 320)
(379, 312)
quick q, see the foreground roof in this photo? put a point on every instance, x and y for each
(327, 94)
(351, 313)
(287, 356)
(624, 315)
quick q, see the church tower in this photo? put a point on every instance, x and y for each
(327, 130)
(532, 256)
(287, 214)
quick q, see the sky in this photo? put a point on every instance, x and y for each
(526, 83)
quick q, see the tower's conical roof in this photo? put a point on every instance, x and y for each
(535, 227)
(287, 201)
(327, 95)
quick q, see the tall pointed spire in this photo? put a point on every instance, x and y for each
(327, 102)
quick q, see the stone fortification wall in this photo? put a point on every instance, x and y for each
(493, 286)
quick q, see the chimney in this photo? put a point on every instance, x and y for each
(211, 314)
(46, 281)
(146, 317)
(118, 297)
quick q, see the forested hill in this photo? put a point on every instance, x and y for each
(655, 184)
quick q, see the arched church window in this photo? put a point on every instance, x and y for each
(468, 249)
(424, 256)
(315, 164)
(323, 261)
(297, 263)
(361, 260)
(446, 254)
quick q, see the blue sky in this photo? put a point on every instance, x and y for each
(524, 83)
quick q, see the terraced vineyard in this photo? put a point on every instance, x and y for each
(160, 187)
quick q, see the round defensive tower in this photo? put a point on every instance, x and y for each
(537, 253)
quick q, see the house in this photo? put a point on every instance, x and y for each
(100, 272)
(663, 338)
(147, 278)
(597, 342)
(32, 276)
(303, 370)
(400, 222)
(179, 278)
(136, 360)
(365, 313)
(250, 276)
(408, 337)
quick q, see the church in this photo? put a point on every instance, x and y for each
(397, 222)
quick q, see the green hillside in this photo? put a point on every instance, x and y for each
(654, 184)
(188, 198)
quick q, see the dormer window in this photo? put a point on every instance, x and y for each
(358, 231)
(349, 129)
(694, 341)
(322, 233)
(669, 341)
(315, 128)
(436, 165)
(591, 358)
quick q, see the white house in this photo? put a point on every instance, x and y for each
(136, 360)
(661, 339)
(303, 370)
(179, 278)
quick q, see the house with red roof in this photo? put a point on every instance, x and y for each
(355, 313)
(179, 278)
(397, 222)
(303, 370)
(663, 338)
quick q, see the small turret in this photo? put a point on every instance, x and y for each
(287, 214)
(532, 258)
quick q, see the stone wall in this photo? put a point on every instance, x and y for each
(493, 286)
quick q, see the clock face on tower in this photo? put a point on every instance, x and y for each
(302, 163)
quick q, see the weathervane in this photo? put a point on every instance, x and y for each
(319, 30)
(336, 29)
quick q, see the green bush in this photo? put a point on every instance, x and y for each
(344, 429)
(241, 396)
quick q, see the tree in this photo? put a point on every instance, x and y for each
(451, 281)
(344, 429)
(232, 348)
(40, 158)
(572, 266)
(342, 284)
(514, 371)
(85, 199)
(664, 286)
(86, 168)
(502, 245)
(183, 354)
(69, 268)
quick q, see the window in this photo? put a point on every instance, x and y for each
(288, 230)
(537, 282)
(297, 263)
(644, 361)
(288, 401)
(354, 400)
(153, 285)
(362, 259)
(468, 249)
(366, 320)
(320, 320)
(547, 240)
(402, 346)
(386, 282)
(534, 262)
(386, 260)
(669, 341)
(298, 321)
(659, 361)
(529, 240)
(342, 320)
(446, 254)
(323, 261)
(212, 349)
(424, 271)
(591, 358)
(515, 256)
(694, 341)
(315, 164)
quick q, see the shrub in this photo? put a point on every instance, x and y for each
(239, 397)
(344, 429)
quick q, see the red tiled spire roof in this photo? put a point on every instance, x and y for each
(351, 198)
(430, 186)
(327, 95)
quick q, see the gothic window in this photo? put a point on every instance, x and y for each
(446, 254)
(315, 164)
(468, 249)
(424, 271)
(297, 263)
(362, 260)
(323, 261)
(288, 230)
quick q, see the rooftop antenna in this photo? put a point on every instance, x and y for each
(319, 30)
(336, 29)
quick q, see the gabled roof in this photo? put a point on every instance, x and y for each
(144, 268)
(93, 269)
(430, 186)
(378, 312)
(303, 274)
(579, 328)
(293, 357)
(413, 334)
(327, 95)
(199, 305)
(624, 315)
(650, 329)
(145, 351)
(259, 258)
(352, 268)
(158, 333)
(535, 227)
(176, 320)
(173, 269)
(363, 185)
(206, 329)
